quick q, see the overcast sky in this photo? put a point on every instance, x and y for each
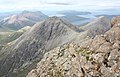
(13, 5)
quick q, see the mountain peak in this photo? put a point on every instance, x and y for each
(54, 18)
(55, 21)
(25, 11)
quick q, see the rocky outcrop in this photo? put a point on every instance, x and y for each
(115, 21)
(71, 60)
(96, 57)
(20, 56)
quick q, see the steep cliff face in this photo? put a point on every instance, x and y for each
(18, 57)
(96, 57)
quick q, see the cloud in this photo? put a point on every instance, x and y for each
(55, 4)
(59, 3)
(20, 5)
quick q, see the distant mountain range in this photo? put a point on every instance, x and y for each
(18, 21)
(75, 17)
(15, 21)
(73, 13)
(6, 14)
(108, 16)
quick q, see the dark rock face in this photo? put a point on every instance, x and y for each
(98, 57)
(18, 58)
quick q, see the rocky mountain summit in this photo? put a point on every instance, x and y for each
(96, 57)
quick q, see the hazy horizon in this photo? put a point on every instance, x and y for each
(56, 5)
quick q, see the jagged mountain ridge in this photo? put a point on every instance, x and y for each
(26, 18)
(31, 46)
(98, 26)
